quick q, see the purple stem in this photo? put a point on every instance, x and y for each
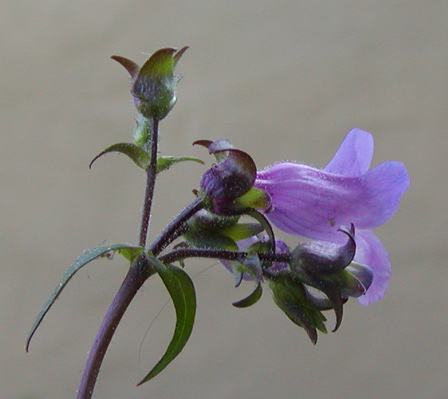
(150, 182)
(175, 228)
(221, 255)
(139, 272)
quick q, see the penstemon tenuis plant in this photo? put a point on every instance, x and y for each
(232, 218)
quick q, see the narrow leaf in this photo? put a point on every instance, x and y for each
(140, 157)
(85, 258)
(182, 292)
(165, 162)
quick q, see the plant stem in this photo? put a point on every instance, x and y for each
(139, 272)
(150, 181)
(174, 229)
(222, 255)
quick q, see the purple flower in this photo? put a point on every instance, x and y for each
(314, 203)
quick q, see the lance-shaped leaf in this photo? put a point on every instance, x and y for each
(182, 292)
(85, 258)
(165, 162)
(140, 157)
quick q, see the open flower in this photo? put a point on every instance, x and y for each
(314, 203)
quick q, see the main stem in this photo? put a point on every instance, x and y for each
(139, 272)
(150, 181)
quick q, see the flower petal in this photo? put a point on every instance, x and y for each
(371, 252)
(314, 204)
(354, 155)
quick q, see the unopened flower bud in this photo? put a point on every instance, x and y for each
(228, 180)
(154, 84)
(320, 257)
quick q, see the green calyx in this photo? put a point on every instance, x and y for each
(290, 296)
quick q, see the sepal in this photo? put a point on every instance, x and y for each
(253, 199)
(291, 297)
(250, 300)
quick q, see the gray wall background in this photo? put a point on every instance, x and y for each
(283, 80)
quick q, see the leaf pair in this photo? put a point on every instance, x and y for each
(141, 158)
(177, 282)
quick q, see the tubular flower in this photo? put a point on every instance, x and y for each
(314, 203)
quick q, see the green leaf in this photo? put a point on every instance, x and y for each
(140, 157)
(182, 292)
(165, 162)
(251, 299)
(85, 258)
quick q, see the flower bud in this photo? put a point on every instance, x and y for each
(154, 84)
(320, 257)
(228, 180)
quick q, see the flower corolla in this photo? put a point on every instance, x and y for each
(315, 203)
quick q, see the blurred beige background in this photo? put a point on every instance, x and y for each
(282, 80)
